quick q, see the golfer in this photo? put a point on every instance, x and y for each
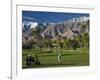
(59, 58)
(58, 51)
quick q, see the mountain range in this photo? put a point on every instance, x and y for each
(66, 29)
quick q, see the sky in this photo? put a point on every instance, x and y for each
(52, 17)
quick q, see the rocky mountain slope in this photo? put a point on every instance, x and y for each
(66, 29)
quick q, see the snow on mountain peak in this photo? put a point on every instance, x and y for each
(33, 24)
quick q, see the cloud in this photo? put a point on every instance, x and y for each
(28, 18)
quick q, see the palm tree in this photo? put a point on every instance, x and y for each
(36, 35)
(86, 39)
(83, 28)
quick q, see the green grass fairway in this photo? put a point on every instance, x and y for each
(69, 58)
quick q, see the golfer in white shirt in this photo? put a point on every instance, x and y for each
(59, 58)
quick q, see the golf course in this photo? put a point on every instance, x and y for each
(55, 39)
(49, 59)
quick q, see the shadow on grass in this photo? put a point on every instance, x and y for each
(50, 65)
